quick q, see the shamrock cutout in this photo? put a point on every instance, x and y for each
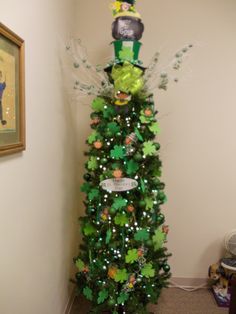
(131, 256)
(80, 264)
(113, 127)
(119, 203)
(121, 275)
(132, 167)
(123, 297)
(149, 203)
(94, 193)
(85, 187)
(158, 239)
(154, 128)
(126, 54)
(88, 293)
(93, 137)
(118, 152)
(109, 112)
(89, 229)
(121, 219)
(98, 104)
(148, 271)
(149, 148)
(102, 296)
(141, 235)
(92, 163)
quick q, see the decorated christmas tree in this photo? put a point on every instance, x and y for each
(122, 264)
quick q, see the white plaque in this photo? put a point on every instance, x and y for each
(119, 185)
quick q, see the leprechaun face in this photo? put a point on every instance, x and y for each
(125, 6)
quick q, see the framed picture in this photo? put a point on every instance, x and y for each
(12, 95)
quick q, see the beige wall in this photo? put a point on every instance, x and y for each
(197, 118)
(38, 188)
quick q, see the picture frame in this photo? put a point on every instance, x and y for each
(12, 92)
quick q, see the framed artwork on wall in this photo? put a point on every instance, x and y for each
(12, 92)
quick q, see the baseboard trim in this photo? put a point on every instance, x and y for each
(70, 302)
(189, 282)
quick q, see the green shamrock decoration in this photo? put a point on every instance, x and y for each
(93, 194)
(88, 293)
(85, 187)
(109, 112)
(131, 256)
(155, 128)
(132, 167)
(141, 235)
(158, 239)
(126, 54)
(92, 163)
(89, 229)
(121, 275)
(98, 104)
(113, 127)
(118, 152)
(148, 271)
(123, 297)
(121, 219)
(102, 296)
(149, 148)
(119, 203)
(93, 137)
(149, 203)
(80, 264)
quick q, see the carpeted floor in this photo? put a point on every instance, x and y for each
(173, 301)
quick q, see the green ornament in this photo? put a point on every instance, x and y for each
(166, 268)
(98, 245)
(138, 157)
(142, 203)
(87, 177)
(104, 161)
(160, 219)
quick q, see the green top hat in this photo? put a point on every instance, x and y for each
(128, 1)
(127, 50)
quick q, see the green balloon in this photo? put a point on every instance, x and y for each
(112, 210)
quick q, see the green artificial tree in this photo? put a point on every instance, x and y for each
(123, 264)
